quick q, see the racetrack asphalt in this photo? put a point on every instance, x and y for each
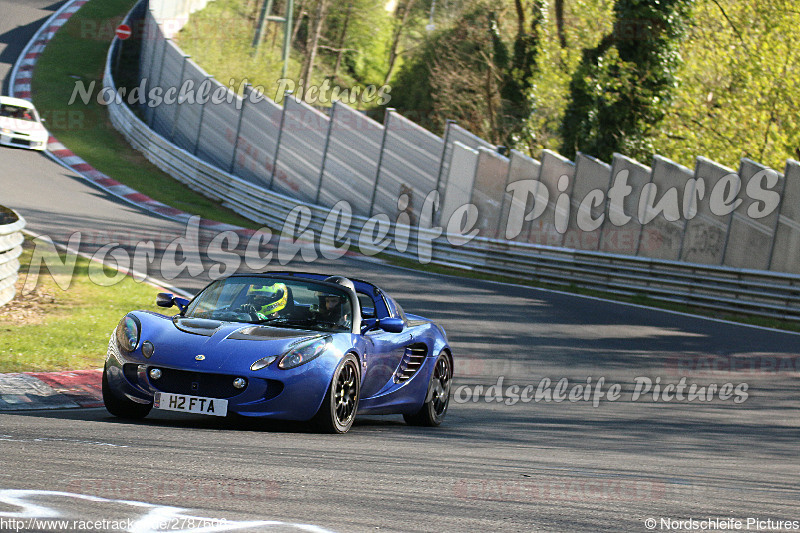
(537, 466)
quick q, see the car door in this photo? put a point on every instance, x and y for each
(383, 351)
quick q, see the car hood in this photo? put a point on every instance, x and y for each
(34, 129)
(224, 345)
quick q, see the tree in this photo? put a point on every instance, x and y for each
(740, 87)
(402, 16)
(622, 88)
(313, 40)
(519, 76)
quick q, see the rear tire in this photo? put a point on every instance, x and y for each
(438, 397)
(338, 409)
(123, 407)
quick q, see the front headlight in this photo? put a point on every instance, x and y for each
(128, 331)
(264, 362)
(302, 353)
(7, 131)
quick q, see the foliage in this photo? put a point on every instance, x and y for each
(366, 42)
(453, 76)
(740, 85)
(621, 90)
(465, 73)
(519, 75)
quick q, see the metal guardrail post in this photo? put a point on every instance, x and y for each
(325, 150)
(178, 100)
(160, 76)
(202, 115)
(387, 115)
(286, 96)
(245, 96)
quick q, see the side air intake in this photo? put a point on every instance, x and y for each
(412, 361)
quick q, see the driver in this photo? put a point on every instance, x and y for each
(331, 308)
(267, 300)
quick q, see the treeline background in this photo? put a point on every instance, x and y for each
(681, 78)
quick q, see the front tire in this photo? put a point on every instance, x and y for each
(338, 409)
(438, 397)
(122, 407)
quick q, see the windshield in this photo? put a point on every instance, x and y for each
(18, 112)
(302, 304)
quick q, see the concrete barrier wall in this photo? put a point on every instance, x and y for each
(706, 232)
(750, 238)
(662, 237)
(556, 174)
(462, 167)
(354, 148)
(622, 229)
(521, 168)
(488, 190)
(592, 178)
(11, 239)
(786, 246)
(390, 169)
(409, 165)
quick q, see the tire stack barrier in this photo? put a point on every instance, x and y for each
(11, 239)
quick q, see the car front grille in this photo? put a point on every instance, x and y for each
(196, 383)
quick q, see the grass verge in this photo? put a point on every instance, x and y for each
(55, 329)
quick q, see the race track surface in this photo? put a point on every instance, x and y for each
(530, 466)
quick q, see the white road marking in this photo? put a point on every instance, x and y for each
(156, 515)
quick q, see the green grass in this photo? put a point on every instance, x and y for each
(55, 329)
(76, 53)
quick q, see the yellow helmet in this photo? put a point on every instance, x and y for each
(269, 299)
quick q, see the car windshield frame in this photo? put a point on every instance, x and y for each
(226, 300)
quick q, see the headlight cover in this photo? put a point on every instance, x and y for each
(304, 352)
(264, 362)
(128, 331)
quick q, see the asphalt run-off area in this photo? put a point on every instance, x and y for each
(568, 413)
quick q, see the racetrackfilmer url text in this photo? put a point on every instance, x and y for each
(19, 525)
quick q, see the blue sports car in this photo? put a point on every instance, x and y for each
(283, 345)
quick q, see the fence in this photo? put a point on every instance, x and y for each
(469, 170)
(390, 168)
(720, 288)
(11, 240)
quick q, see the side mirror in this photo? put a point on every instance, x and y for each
(165, 299)
(182, 303)
(391, 325)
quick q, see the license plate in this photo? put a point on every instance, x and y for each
(190, 404)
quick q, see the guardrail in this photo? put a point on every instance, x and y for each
(761, 293)
(11, 240)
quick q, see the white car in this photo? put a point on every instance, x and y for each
(20, 124)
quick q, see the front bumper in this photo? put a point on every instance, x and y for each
(22, 141)
(272, 393)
